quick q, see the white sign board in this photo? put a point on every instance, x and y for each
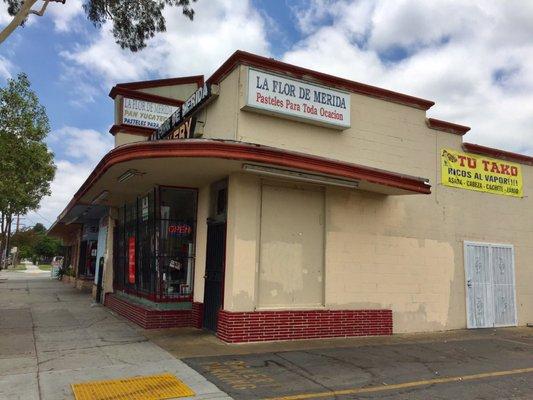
(145, 113)
(296, 99)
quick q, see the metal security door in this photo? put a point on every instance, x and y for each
(490, 291)
(503, 283)
(214, 273)
(478, 286)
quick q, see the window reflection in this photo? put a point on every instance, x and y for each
(162, 227)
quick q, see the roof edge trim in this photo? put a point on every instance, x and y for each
(497, 153)
(245, 58)
(198, 79)
(209, 148)
(134, 130)
(446, 126)
(134, 94)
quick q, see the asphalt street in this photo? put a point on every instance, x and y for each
(496, 364)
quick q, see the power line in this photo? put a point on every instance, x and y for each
(43, 217)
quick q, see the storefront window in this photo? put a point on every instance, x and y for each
(155, 245)
(176, 240)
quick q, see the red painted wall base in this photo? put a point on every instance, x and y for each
(148, 318)
(235, 327)
(197, 315)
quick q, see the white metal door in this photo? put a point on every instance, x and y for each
(478, 286)
(503, 284)
(490, 290)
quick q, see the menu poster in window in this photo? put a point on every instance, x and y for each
(131, 260)
(144, 208)
(165, 215)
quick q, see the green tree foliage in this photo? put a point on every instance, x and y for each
(39, 228)
(26, 164)
(33, 243)
(25, 240)
(47, 247)
(134, 21)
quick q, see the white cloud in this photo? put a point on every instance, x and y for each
(65, 15)
(5, 68)
(5, 18)
(187, 47)
(475, 59)
(83, 149)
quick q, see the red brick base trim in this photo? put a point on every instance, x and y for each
(197, 315)
(146, 317)
(289, 325)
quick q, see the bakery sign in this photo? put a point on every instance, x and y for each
(296, 99)
(181, 123)
(145, 114)
(479, 173)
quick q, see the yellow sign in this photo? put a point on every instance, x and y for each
(483, 174)
(154, 387)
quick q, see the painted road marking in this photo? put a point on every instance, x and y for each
(405, 385)
(239, 375)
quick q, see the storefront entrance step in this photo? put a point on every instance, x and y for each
(148, 318)
(146, 303)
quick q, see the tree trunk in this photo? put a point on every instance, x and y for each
(2, 239)
(9, 220)
(17, 20)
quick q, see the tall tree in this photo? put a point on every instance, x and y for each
(25, 241)
(134, 21)
(26, 164)
(33, 243)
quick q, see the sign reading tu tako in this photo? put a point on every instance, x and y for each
(483, 174)
(295, 99)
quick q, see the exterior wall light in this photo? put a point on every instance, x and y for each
(130, 173)
(300, 176)
(101, 197)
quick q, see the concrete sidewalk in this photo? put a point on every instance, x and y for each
(50, 337)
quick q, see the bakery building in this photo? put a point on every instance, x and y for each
(273, 202)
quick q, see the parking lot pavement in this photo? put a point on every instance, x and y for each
(490, 364)
(51, 337)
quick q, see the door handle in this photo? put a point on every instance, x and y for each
(469, 283)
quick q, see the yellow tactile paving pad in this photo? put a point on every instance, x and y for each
(153, 387)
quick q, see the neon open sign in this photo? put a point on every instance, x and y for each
(179, 230)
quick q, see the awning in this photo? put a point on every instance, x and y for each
(133, 169)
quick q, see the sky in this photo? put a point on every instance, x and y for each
(473, 58)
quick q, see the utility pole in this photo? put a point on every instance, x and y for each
(18, 220)
(9, 220)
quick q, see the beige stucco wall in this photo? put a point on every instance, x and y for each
(221, 116)
(107, 278)
(242, 242)
(399, 252)
(178, 92)
(125, 138)
(201, 242)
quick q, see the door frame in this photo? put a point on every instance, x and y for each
(223, 271)
(465, 261)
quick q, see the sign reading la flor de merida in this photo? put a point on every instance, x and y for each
(181, 123)
(295, 99)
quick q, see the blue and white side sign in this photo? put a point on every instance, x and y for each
(296, 99)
